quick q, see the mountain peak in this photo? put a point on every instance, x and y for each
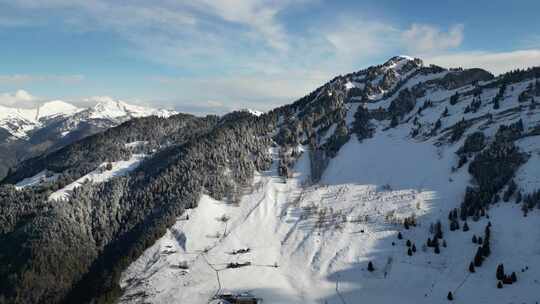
(397, 63)
(55, 108)
(109, 108)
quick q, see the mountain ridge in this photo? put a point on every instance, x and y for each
(54, 124)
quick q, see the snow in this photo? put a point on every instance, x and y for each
(41, 177)
(19, 122)
(527, 176)
(328, 133)
(136, 144)
(322, 236)
(281, 223)
(100, 175)
(406, 57)
(409, 84)
(253, 112)
(56, 108)
(108, 108)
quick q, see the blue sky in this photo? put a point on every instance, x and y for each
(214, 56)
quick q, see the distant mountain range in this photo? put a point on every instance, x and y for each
(29, 132)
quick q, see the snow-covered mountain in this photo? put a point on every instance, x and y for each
(21, 122)
(309, 237)
(54, 124)
(400, 183)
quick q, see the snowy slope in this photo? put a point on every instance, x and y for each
(17, 121)
(319, 236)
(100, 175)
(55, 108)
(312, 242)
(42, 177)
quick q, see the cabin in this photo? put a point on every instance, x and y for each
(241, 298)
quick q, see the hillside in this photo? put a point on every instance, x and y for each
(310, 241)
(293, 205)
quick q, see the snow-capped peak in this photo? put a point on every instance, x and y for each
(55, 108)
(406, 57)
(253, 112)
(109, 108)
(398, 62)
(20, 121)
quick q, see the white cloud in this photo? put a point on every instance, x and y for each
(424, 38)
(260, 16)
(20, 98)
(354, 39)
(263, 92)
(495, 62)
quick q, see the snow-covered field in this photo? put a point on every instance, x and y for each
(321, 237)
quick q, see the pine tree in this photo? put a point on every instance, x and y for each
(499, 285)
(465, 227)
(444, 243)
(496, 104)
(413, 248)
(437, 249)
(474, 240)
(394, 122)
(370, 267)
(478, 258)
(438, 230)
(500, 272)
(409, 252)
(513, 277)
(486, 250)
(399, 236)
(408, 243)
(445, 113)
(429, 243)
(518, 197)
(454, 99)
(450, 297)
(471, 268)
